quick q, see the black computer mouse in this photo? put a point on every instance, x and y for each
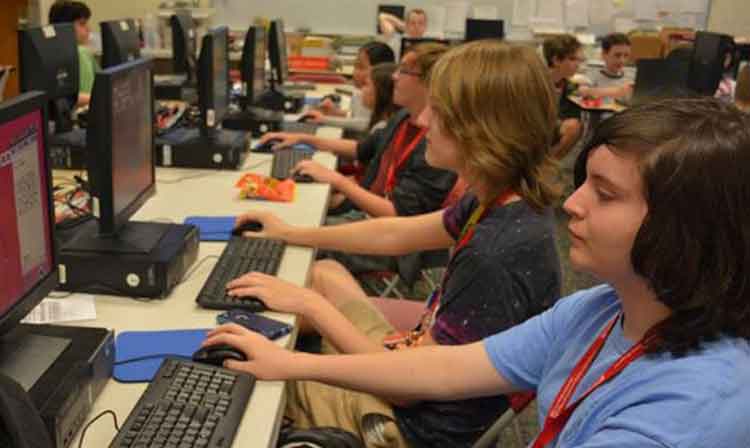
(303, 178)
(247, 226)
(305, 118)
(216, 354)
(266, 147)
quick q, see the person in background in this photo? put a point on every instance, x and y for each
(727, 85)
(394, 29)
(78, 14)
(504, 267)
(358, 119)
(610, 81)
(659, 356)
(564, 55)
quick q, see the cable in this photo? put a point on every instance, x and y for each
(86, 427)
(192, 271)
(258, 165)
(154, 356)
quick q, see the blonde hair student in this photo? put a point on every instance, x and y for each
(492, 122)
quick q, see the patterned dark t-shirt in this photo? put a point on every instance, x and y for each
(508, 272)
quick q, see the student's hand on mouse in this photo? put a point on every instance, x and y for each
(287, 139)
(314, 116)
(327, 106)
(273, 227)
(318, 172)
(265, 359)
(278, 295)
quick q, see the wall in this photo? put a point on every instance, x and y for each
(730, 16)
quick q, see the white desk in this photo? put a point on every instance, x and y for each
(204, 192)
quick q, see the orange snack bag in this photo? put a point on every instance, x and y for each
(257, 186)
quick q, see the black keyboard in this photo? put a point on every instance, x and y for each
(187, 404)
(240, 256)
(285, 160)
(299, 127)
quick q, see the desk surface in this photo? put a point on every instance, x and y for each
(185, 192)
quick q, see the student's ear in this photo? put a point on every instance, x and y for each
(21, 426)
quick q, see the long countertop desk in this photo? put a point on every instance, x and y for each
(185, 192)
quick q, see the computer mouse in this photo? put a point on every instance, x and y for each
(247, 226)
(216, 354)
(266, 147)
(305, 118)
(302, 178)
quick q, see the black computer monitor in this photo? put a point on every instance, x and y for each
(477, 29)
(408, 42)
(48, 59)
(213, 78)
(120, 42)
(394, 10)
(660, 78)
(277, 53)
(253, 65)
(183, 44)
(28, 256)
(120, 146)
(707, 64)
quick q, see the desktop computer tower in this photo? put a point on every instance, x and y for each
(254, 120)
(188, 148)
(67, 151)
(151, 274)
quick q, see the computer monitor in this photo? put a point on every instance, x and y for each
(707, 64)
(660, 78)
(394, 10)
(48, 58)
(120, 42)
(253, 65)
(183, 44)
(28, 256)
(120, 146)
(408, 42)
(213, 78)
(477, 29)
(277, 53)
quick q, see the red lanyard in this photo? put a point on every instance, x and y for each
(560, 411)
(398, 142)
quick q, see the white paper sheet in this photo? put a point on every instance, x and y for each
(522, 11)
(646, 9)
(73, 308)
(577, 13)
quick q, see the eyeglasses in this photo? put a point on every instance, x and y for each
(403, 70)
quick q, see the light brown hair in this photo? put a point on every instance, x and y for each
(560, 47)
(496, 100)
(426, 55)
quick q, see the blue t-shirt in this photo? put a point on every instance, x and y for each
(700, 400)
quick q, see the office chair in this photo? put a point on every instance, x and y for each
(518, 402)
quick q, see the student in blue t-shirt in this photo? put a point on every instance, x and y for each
(660, 215)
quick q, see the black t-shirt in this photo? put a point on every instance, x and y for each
(508, 272)
(567, 108)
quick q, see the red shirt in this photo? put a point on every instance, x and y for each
(392, 154)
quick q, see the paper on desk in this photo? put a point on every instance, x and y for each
(72, 308)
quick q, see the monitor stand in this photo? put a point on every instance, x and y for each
(133, 238)
(25, 356)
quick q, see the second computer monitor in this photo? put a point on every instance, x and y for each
(120, 42)
(710, 52)
(277, 52)
(48, 59)
(121, 143)
(213, 77)
(183, 44)
(253, 64)
(477, 29)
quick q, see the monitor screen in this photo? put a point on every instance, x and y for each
(120, 42)
(277, 51)
(183, 43)
(28, 268)
(253, 64)
(213, 77)
(477, 29)
(121, 142)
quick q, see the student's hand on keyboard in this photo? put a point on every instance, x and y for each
(313, 116)
(287, 139)
(318, 172)
(277, 294)
(266, 359)
(273, 227)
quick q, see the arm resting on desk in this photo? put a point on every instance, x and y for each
(395, 236)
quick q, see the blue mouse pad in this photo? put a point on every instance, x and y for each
(155, 345)
(213, 228)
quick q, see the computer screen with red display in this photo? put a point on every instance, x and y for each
(26, 238)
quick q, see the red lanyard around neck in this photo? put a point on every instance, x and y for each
(560, 411)
(398, 143)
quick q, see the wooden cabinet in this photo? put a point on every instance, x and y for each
(9, 14)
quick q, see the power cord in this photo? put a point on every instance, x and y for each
(86, 427)
(197, 266)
